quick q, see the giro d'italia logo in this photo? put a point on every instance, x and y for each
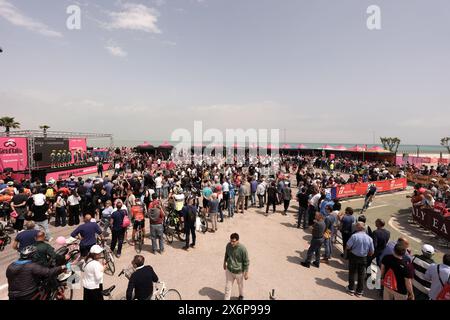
(10, 143)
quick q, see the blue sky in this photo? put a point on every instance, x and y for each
(141, 69)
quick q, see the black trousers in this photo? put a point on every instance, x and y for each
(190, 230)
(356, 267)
(74, 215)
(345, 237)
(226, 196)
(273, 203)
(93, 294)
(286, 205)
(117, 237)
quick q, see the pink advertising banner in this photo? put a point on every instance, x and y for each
(13, 153)
(75, 172)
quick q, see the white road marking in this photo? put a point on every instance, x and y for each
(409, 236)
(379, 196)
(380, 206)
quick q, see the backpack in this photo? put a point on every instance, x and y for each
(50, 193)
(390, 281)
(155, 214)
(444, 294)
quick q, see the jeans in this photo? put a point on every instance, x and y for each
(357, 265)
(253, 198)
(213, 216)
(157, 232)
(106, 227)
(117, 236)
(302, 212)
(158, 193)
(190, 230)
(60, 217)
(314, 249)
(261, 200)
(44, 225)
(165, 192)
(231, 208)
(328, 247)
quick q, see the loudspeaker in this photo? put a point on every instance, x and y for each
(37, 156)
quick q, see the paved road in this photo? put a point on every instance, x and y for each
(276, 249)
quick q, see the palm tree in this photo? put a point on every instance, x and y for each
(9, 123)
(445, 143)
(44, 129)
(390, 143)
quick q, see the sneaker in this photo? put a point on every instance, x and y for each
(117, 256)
(241, 298)
(192, 245)
(325, 260)
(305, 264)
(185, 248)
(316, 264)
(350, 291)
(358, 294)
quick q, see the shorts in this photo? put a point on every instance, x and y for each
(136, 224)
(205, 203)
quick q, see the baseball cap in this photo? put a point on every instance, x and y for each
(10, 183)
(96, 249)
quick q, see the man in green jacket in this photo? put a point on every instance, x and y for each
(44, 252)
(236, 265)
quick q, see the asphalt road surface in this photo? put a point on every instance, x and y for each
(276, 248)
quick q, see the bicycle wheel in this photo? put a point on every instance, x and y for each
(74, 256)
(169, 235)
(171, 294)
(63, 292)
(110, 265)
(203, 224)
(180, 233)
(139, 241)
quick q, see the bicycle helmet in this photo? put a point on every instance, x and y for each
(28, 253)
(427, 249)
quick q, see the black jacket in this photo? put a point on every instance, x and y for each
(141, 282)
(24, 278)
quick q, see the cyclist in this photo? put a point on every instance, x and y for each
(45, 253)
(141, 281)
(24, 275)
(138, 212)
(371, 191)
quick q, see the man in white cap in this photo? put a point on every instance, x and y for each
(421, 263)
(93, 271)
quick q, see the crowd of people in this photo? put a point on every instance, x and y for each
(142, 187)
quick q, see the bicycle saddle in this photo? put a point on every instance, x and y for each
(108, 291)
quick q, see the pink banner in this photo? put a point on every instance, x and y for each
(77, 145)
(75, 172)
(13, 153)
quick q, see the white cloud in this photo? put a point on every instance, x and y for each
(134, 17)
(14, 16)
(169, 43)
(116, 51)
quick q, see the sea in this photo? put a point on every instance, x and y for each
(402, 149)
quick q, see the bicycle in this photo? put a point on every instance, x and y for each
(203, 222)
(139, 240)
(161, 293)
(71, 251)
(172, 221)
(54, 289)
(108, 256)
(367, 203)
